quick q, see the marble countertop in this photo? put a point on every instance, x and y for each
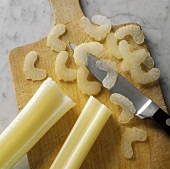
(21, 23)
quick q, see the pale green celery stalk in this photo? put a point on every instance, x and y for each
(83, 135)
(44, 109)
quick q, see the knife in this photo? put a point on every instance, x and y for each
(145, 108)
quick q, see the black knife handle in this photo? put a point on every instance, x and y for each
(163, 119)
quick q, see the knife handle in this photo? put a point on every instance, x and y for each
(163, 119)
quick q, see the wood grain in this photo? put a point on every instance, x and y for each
(105, 153)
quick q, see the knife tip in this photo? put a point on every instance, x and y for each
(72, 45)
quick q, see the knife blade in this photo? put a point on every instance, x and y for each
(145, 107)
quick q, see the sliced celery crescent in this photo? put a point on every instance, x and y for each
(44, 109)
(82, 136)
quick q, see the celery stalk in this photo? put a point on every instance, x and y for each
(44, 109)
(81, 138)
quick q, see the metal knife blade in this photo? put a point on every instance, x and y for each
(145, 108)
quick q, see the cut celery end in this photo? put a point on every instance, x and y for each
(44, 109)
(83, 135)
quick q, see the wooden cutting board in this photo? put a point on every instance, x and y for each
(105, 153)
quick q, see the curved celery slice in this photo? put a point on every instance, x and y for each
(44, 109)
(82, 136)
